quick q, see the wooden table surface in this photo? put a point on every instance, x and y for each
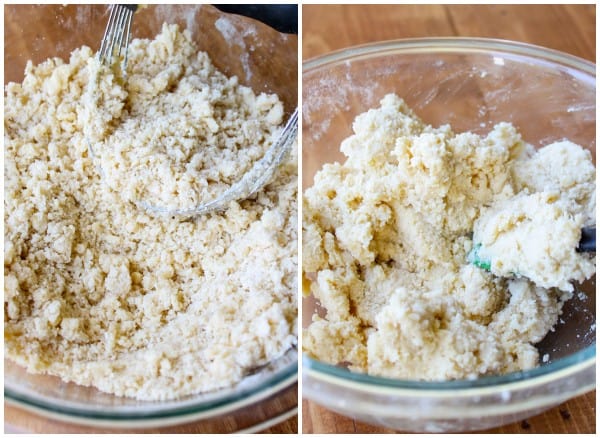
(568, 28)
(30, 423)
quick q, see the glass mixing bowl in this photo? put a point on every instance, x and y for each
(38, 32)
(471, 84)
(264, 398)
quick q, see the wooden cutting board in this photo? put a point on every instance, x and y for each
(568, 28)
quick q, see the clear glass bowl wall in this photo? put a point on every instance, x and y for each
(38, 32)
(471, 84)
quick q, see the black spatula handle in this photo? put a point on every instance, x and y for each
(283, 18)
(587, 243)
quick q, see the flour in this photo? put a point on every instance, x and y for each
(235, 37)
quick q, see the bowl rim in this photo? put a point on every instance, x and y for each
(244, 393)
(451, 44)
(563, 367)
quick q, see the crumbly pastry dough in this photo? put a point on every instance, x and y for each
(386, 236)
(101, 293)
(176, 133)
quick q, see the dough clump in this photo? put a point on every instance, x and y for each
(386, 237)
(535, 234)
(101, 293)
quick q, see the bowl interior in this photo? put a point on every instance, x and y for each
(238, 46)
(471, 85)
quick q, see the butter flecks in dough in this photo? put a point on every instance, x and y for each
(385, 242)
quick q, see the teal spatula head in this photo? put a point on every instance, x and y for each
(587, 243)
(475, 259)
